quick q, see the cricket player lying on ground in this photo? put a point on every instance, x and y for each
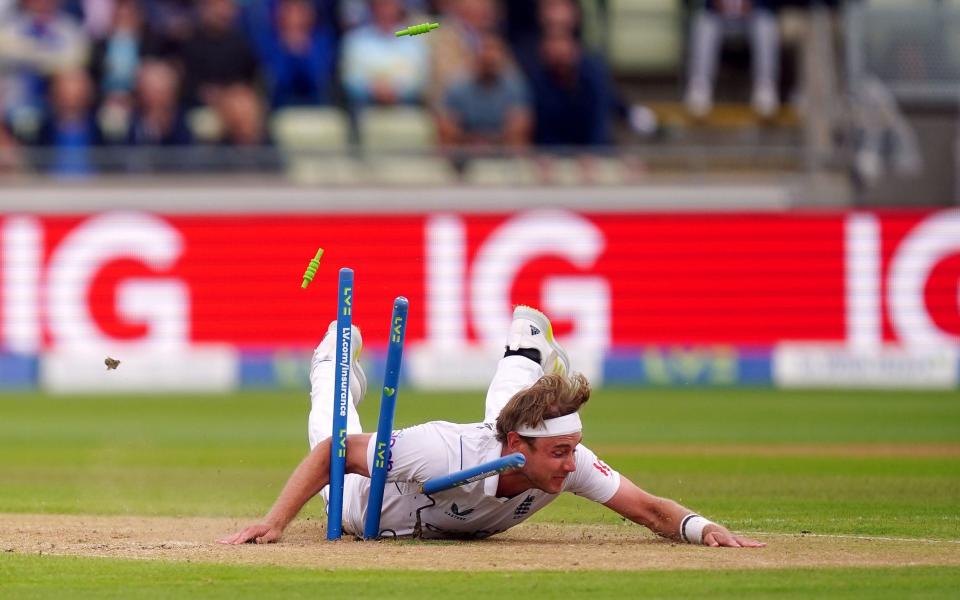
(526, 412)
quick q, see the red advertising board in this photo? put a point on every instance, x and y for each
(606, 279)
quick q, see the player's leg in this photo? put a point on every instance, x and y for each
(705, 38)
(320, 422)
(765, 42)
(322, 375)
(356, 488)
(531, 351)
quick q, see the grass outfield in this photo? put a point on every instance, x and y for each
(28, 577)
(851, 463)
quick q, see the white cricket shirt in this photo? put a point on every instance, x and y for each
(471, 511)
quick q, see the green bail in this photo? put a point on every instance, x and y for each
(417, 29)
(311, 270)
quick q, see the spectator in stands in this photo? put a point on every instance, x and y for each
(36, 41)
(70, 130)
(170, 24)
(97, 16)
(550, 15)
(7, 8)
(242, 116)
(10, 159)
(117, 56)
(299, 56)
(572, 93)
(259, 20)
(457, 42)
(356, 13)
(706, 34)
(158, 120)
(490, 107)
(520, 20)
(379, 69)
(114, 65)
(245, 132)
(218, 55)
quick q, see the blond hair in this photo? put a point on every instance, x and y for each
(551, 396)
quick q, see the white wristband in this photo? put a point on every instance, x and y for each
(691, 528)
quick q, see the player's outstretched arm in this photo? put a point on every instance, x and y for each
(665, 517)
(306, 481)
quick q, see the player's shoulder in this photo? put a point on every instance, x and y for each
(480, 434)
(447, 430)
(592, 478)
(466, 438)
(584, 455)
(461, 428)
(581, 447)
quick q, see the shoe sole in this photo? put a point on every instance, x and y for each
(531, 314)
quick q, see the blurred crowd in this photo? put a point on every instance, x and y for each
(80, 74)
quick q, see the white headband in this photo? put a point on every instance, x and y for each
(564, 425)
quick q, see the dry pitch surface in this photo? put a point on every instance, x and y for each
(530, 546)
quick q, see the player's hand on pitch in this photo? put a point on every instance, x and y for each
(261, 533)
(717, 536)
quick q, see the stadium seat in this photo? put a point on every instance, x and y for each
(113, 123)
(559, 172)
(398, 144)
(314, 140)
(645, 36)
(204, 124)
(501, 172)
(397, 128)
(393, 169)
(569, 172)
(313, 128)
(313, 169)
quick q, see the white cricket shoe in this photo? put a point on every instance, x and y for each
(327, 350)
(532, 329)
(764, 100)
(699, 99)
